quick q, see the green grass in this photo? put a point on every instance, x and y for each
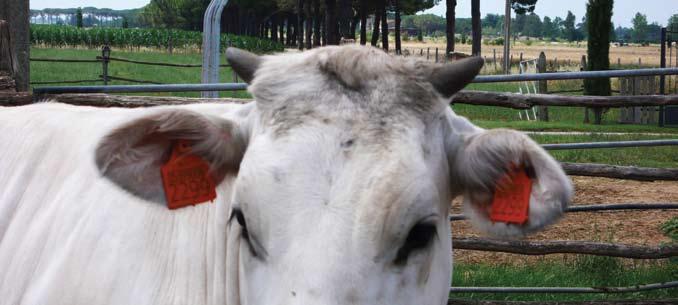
(660, 156)
(583, 271)
(53, 71)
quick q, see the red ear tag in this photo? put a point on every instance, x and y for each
(512, 197)
(186, 178)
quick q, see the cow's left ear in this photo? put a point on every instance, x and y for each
(482, 162)
(131, 156)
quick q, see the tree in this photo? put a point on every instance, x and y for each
(125, 22)
(331, 26)
(396, 8)
(521, 7)
(672, 25)
(78, 18)
(568, 27)
(450, 15)
(363, 22)
(599, 20)
(476, 27)
(384, 26)
(549, 29)
(639, 27)
(377, 21)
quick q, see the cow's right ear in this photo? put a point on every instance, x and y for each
(131, 156)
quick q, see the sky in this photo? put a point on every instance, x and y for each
(656, 10)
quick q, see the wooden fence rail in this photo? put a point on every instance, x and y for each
(511, 100)
(620, 172)
(564, 246)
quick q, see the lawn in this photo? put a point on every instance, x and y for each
(583, 271)
(54, 71)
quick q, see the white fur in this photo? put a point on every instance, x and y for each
(347, 149)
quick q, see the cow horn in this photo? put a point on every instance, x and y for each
(244, 63)
(450, 78)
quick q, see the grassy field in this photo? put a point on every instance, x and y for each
(562, 118)
(584, 271)
(52, 71)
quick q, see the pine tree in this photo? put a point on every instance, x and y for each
(599, 20)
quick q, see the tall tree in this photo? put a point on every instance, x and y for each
(300, 24)
(309, 24)
(451, 19)
(331, 26)
(568, 27)
(672, 25)
(384, 26)
(316, 25)
(363, 22)
(375, 26)
(345, 13)
(521, 7)
(78, 18)
(599, 19)
(639, 27)
(396, 8)
(476, 27)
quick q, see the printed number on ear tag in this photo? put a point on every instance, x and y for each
(512, 197)
(186, 178)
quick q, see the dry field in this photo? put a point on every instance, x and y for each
(628, 55)
(635, 227)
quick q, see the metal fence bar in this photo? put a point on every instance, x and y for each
(141, 88)
(636, 288)
(574, 75)
(205, 87)
(602, 207)
(611, 144)
(211, 39)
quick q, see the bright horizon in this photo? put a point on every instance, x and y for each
(656, 10)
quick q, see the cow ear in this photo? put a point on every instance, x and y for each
(484, 160)
(131, 156)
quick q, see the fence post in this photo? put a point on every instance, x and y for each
(543, 87)
(436, 54)
(17, 15)
(582, 67)
(494, 58)
(105, 59)
(428, 53)
(662, 79)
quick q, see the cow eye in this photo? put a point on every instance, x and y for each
(240, 217)
(419, 238)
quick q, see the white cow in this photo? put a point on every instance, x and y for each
(333, 188)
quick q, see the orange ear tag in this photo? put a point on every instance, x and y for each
(512, 197)
(186, 178)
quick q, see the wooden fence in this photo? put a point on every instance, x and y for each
(106, 60)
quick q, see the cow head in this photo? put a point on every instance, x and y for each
(346, 166)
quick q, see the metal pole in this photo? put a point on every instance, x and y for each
(615, 144)
(210, 48)
(507, 37)
(662, 79)
(242, 86)
(574, 75)
(141, 88)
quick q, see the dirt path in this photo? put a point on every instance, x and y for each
(638, 227)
